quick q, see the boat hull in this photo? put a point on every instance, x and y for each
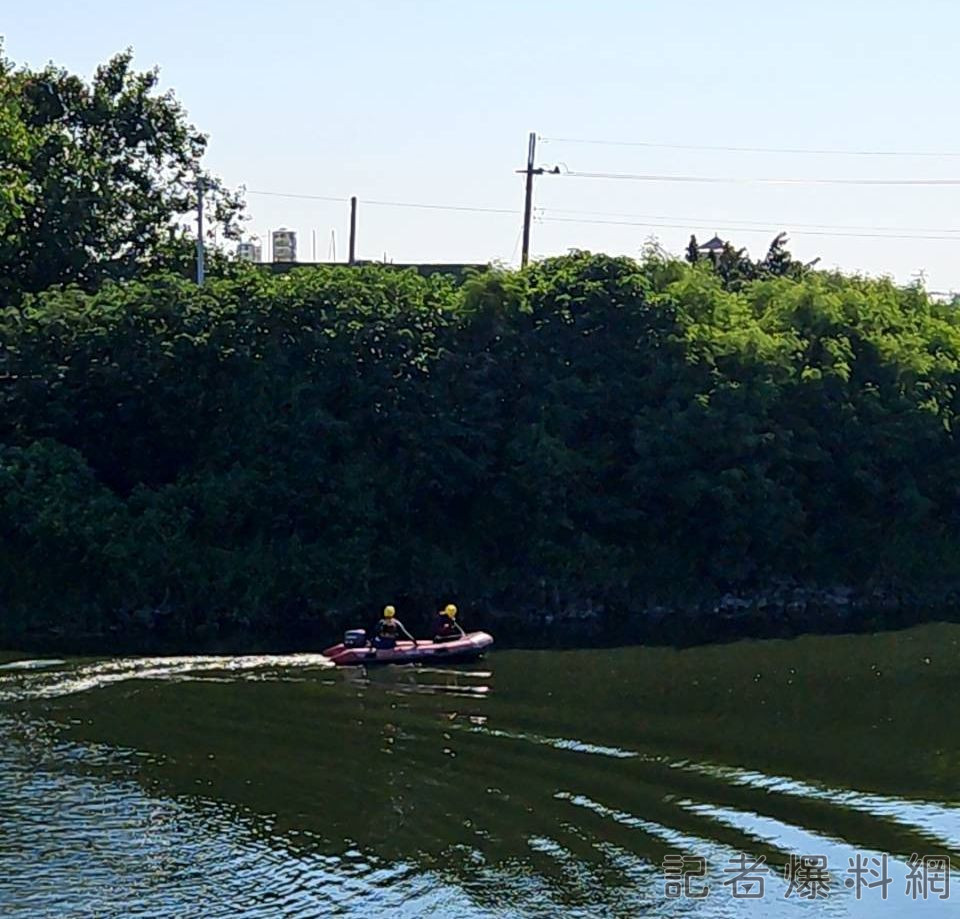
(462, 650)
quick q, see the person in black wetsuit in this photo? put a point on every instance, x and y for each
(389, 629)
(446, 627)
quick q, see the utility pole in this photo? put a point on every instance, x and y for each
(528, 201)
(200, 266)
(530, 172)
(353, 230)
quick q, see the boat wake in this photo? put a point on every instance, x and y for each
(40, 679)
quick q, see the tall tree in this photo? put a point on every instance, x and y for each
(107, 167)
(780, 263)
(14, 152)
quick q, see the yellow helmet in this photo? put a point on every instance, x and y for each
(389, 612)
(451, 611)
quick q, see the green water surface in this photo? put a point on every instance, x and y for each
(534, 783)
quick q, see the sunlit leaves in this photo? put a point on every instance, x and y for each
(94, 176)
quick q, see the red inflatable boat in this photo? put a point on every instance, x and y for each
(468, 648)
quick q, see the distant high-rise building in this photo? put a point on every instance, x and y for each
(284, 245)
(248, 251)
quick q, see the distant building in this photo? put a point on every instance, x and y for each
(248, 252)
(711, 246)
(284, 245)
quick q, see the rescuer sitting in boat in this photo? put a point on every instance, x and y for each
(446, 627)
(389, 628)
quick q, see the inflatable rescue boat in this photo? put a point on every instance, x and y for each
(355, 650)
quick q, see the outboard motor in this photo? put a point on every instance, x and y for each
(355, 638)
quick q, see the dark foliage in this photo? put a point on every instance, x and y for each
(594, 430)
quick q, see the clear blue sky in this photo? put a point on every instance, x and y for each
(432, 100)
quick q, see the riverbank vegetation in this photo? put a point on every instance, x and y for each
(594, 438)
(266, 454)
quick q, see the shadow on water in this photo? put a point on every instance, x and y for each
(529, 784)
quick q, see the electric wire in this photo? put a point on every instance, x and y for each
(656, 221)
(728, 180)
(717, 148)
(770, 229)
(376, 203)
(734, 222)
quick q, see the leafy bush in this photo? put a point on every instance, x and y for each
(591, 431)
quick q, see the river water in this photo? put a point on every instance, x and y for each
(531, 784)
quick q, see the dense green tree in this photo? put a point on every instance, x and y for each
(95, 175)
(269, 452)
(736, 268)
(14, 152)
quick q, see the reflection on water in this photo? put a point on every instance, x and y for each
(531, 784)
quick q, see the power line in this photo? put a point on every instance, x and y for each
(541, 211)
(516, 245)
(770, 229)
(445, 207)
(723, 180)
(413, 204)
(660, 221)
(709, 221)
(281, 194)
(734, 149)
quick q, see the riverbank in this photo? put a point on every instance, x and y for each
(592, 450)
(782, 610)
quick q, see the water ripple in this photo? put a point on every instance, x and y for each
(270, 786)
(27, 683)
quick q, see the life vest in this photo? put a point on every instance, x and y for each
(388, 628)
(444, 626)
